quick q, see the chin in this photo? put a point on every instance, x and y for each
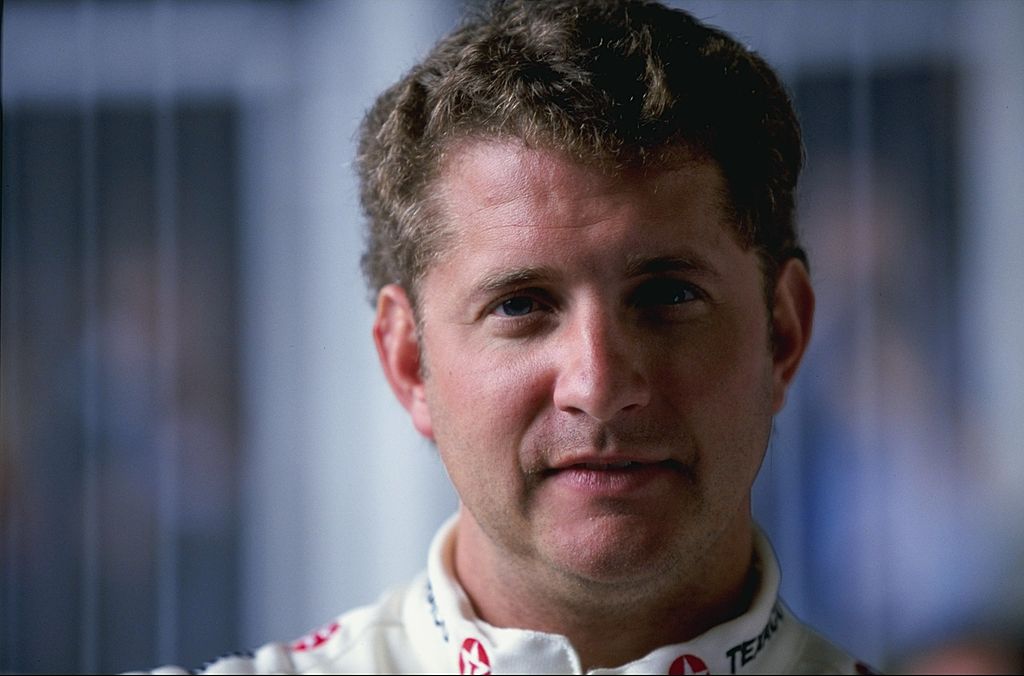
(623, 553)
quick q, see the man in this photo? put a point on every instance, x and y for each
(591, 297)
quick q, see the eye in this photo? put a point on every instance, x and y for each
(522, 313)
(660, 292)
(517, 306)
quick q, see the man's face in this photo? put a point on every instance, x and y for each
(597, 371)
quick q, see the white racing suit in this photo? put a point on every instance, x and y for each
(430, 626)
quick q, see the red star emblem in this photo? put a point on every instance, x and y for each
(316, 639)
(473, 658)
(688, 664)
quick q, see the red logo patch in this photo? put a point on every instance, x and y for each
(316, 639)
(688, 664)
(473, 658)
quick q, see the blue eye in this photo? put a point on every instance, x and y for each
(665, 292)
(518, 306)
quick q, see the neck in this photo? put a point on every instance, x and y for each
(608, 624)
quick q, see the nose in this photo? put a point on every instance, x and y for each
(601, 371)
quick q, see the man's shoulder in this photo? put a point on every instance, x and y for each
(360, 639)
(357, 639)
(815, 654)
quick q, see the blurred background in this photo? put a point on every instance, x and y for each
(198, 453)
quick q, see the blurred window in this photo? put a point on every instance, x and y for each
(120, 417)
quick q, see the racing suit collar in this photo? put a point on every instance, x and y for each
(750, 643)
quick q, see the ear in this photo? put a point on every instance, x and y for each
(792, 316)
(394, 333)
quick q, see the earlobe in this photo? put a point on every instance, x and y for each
(395, 335)
(792, 317)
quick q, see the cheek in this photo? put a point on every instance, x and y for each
(496, 382)
(718, 379)
(483, 402)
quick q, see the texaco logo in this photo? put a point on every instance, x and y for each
(688, 664)
(473, 658)
(316, 639)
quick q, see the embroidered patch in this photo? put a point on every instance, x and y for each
(316, 639)
(688, 664)
(435, 613)
(473, 659)
(748, 650)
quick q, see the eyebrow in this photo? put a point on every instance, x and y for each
(636, 266)
(641, 265)
(504, 279)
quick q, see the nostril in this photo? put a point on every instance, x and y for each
(599, 396)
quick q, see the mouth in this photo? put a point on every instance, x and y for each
(616, 478)
(611, 465)
(608, 465)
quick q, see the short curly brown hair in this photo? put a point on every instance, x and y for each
(620, 83)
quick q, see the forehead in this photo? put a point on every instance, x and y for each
(495, 169)
(494, 191)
